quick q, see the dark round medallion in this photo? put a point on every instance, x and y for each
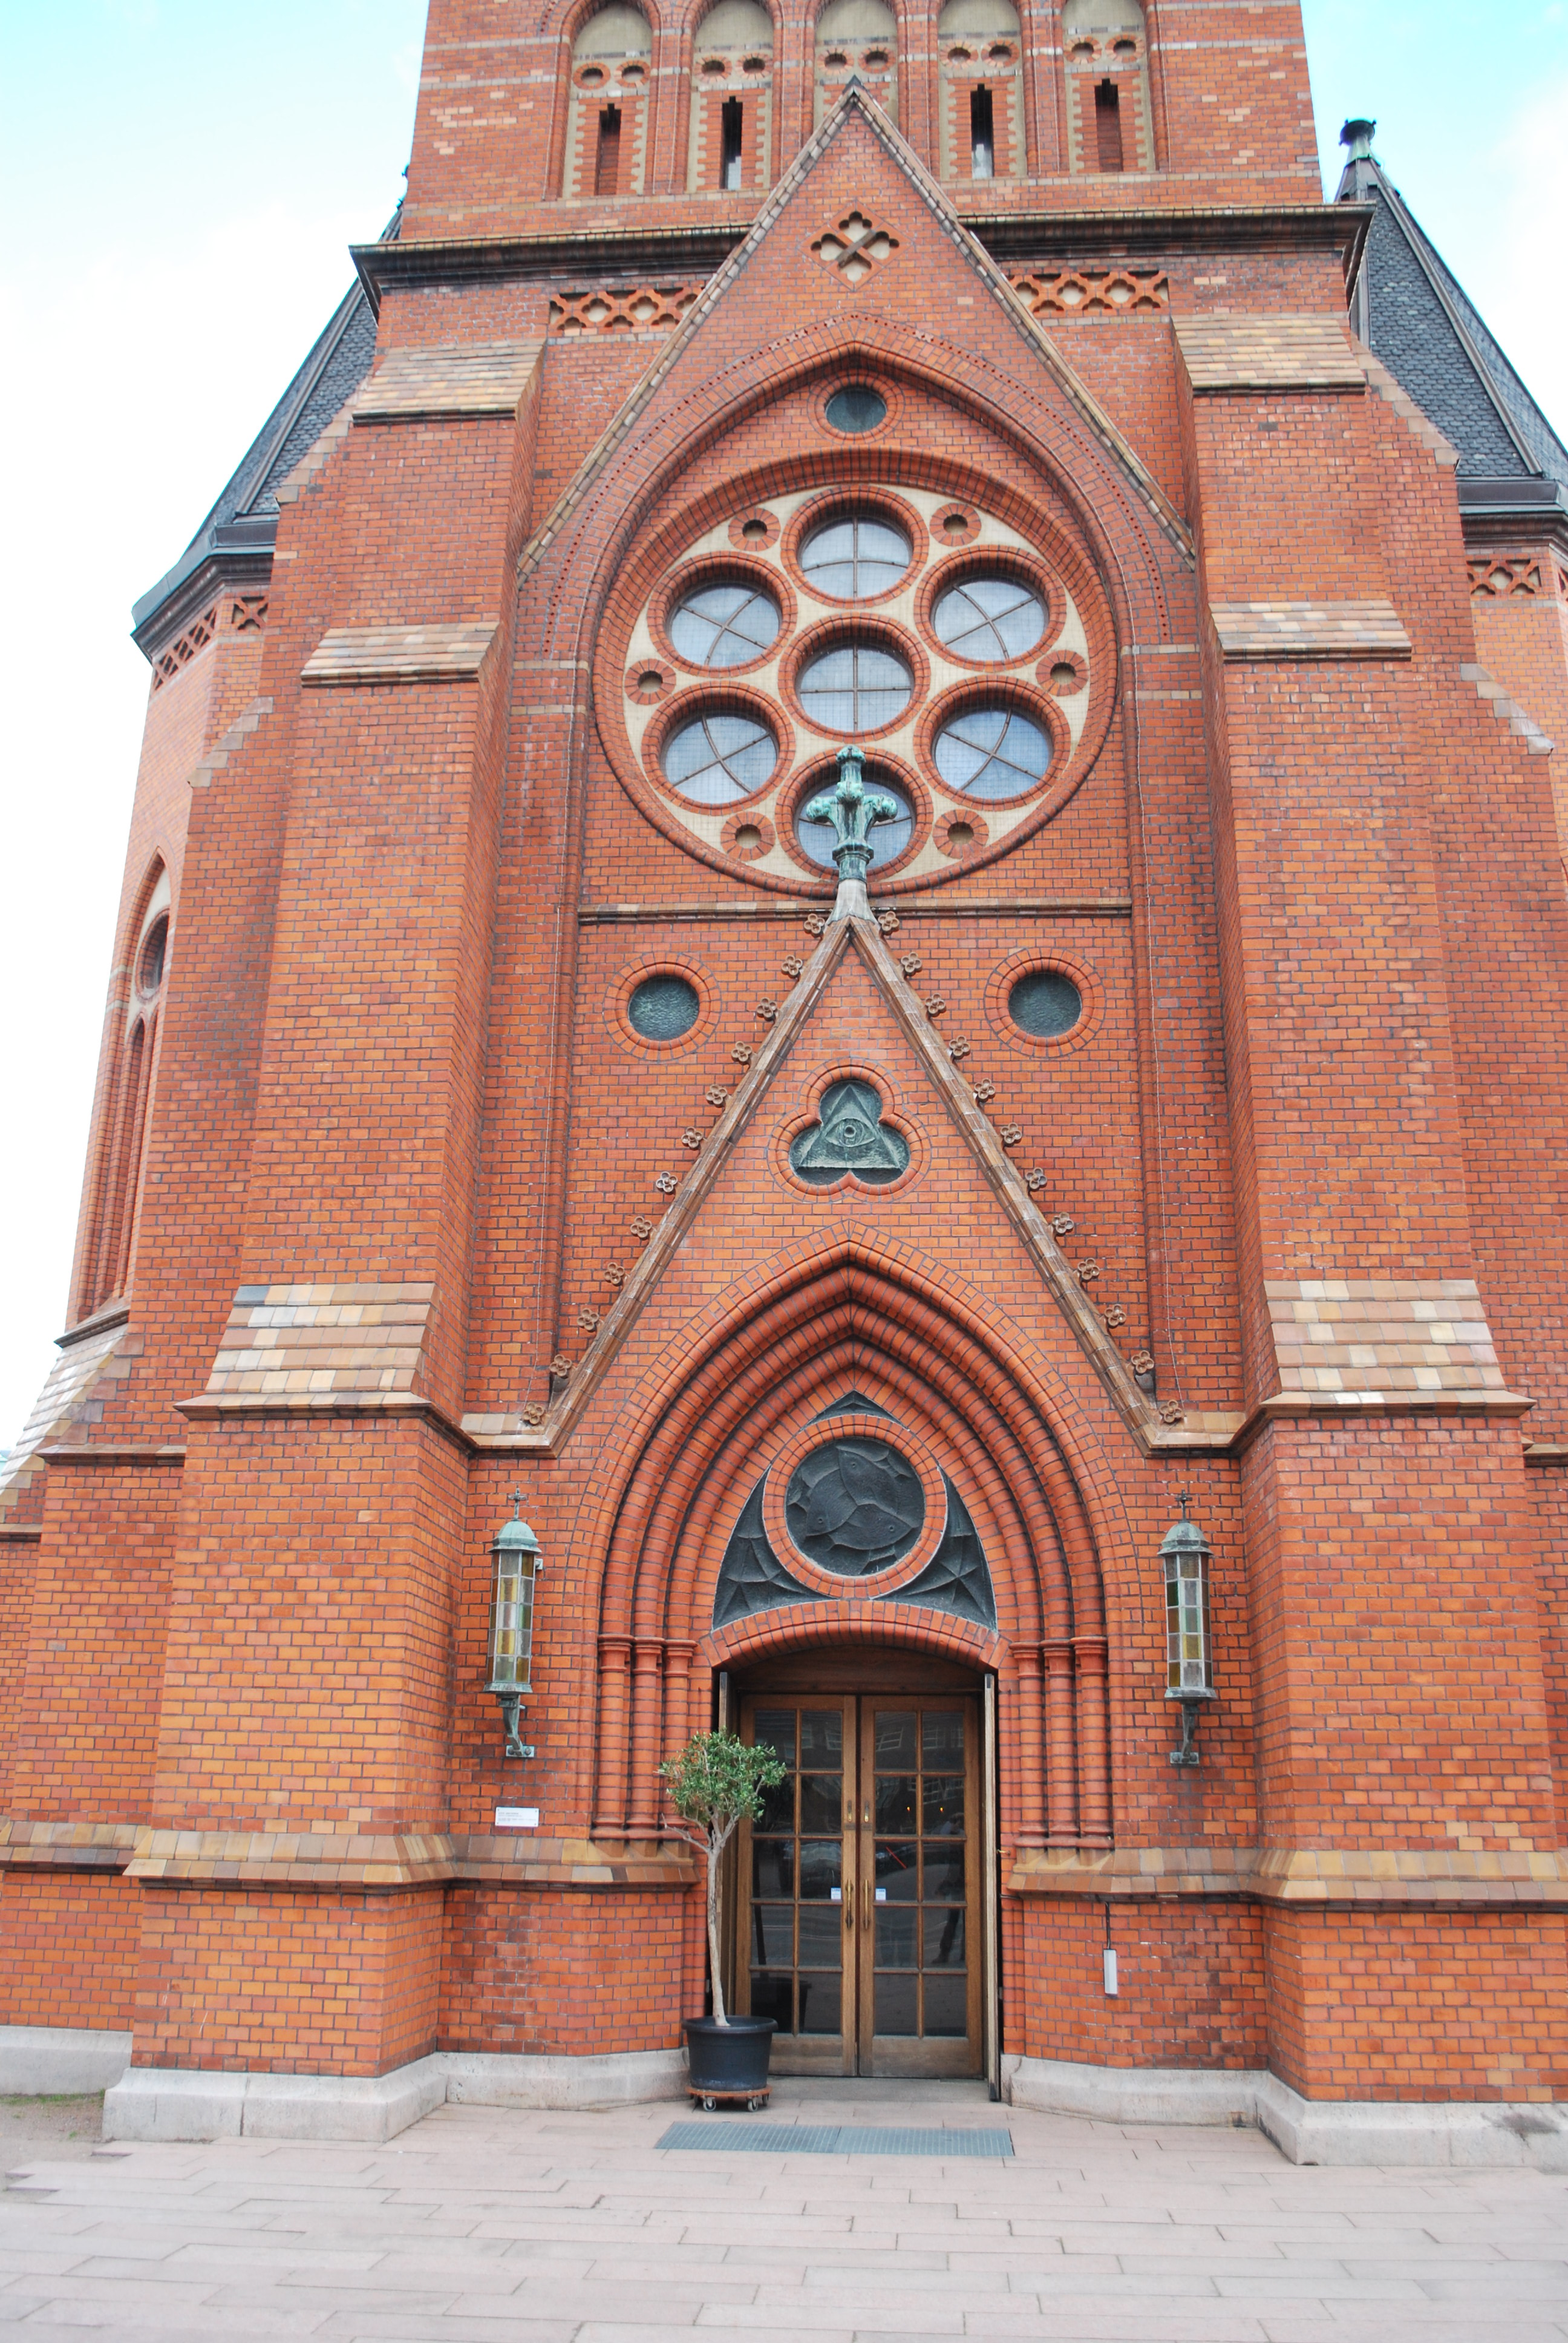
(856, 407)
(663, 1008)
(855, 1506)
(1045, 1003)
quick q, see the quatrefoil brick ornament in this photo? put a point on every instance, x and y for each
(850, 1137)
(853, 247)
(667, 1183)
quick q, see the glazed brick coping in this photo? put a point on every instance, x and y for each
(1312, 1875)
(286, 1339)
(444, 654)
(1268, 353)
(476, 378)
(1402, 1335)
(1293, 630)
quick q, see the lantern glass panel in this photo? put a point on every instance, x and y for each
(512, 1621)
(1187, 1664)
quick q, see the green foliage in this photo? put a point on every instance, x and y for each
(717, 1780)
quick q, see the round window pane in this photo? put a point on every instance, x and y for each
(888, 840)
(1044, 1003)
(856, 408)
(853, 558)
(992, 753)
(724, 626)
(663, 1008)
(855, 687)
(990, 618)
(719, 758)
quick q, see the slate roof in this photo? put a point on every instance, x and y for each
(244, 520)
(1418, 320)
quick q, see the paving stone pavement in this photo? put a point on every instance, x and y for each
(482, 2225)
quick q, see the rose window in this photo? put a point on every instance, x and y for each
(969, 681)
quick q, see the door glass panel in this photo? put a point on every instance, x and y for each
(819, 2010)
(942, 1804)
(821, 1926)
(773, 1936)
(773, 1866)
(773, 1997)
(821, 1869)
(898, 2002)
(898, 1873)
(922, 1980)
(822, 1803)
(896, 1802)
(821, 1738)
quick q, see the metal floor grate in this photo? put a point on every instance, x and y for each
(726, 2135)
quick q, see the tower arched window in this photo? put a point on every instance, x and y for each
(857, 39)
(981, 53)
(1110, 117)
(606, 130)
(731, 134)
(123, 1126)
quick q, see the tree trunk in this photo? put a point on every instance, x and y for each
(713, 1855)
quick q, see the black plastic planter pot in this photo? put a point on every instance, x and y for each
(729, 2061)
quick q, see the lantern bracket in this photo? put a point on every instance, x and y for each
(511, 1715)
(1186, 1750)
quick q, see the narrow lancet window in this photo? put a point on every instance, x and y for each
(733, 117)
(1108, 126)
(607, 159)
(982, 137)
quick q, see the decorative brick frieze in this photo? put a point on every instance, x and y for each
(1109, 293)
(1520, 574)
(651, 306)
(1301, 630)
(1252, 352)
(449, 654)
(320, 1343)
(1382, 1334)
(413, 385)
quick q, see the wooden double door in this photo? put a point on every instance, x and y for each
(859, 1894)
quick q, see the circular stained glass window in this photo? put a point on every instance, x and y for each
(724, 626)
(1045, 1003)
(856, 408)
(855, 1506)
(718, 757)
(854, 559)
(663, 1008)
(887, 839)
(990, 619)
(992, 753)
(855, 687)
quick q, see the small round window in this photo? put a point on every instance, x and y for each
(1045, 1003)
(993, 753)
(990, 619)
(719, 758)
(856, 408)
(724, 626)
(663, 1008)
(888, 840)
(854, 559)
(855, 687)
(150, 966)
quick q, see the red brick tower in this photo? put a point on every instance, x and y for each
(501, 1092)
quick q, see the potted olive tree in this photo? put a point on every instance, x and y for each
(714, 1784)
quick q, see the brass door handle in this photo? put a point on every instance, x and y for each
(850, 1909)
(866, 1904)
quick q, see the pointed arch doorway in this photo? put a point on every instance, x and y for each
(862, 1904)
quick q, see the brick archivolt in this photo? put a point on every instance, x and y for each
(858, 1320)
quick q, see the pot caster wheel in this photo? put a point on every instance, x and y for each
(752, 2105)
(709, 2103)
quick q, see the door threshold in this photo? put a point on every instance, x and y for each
(904, 2091)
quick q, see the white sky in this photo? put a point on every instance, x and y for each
(181, 183)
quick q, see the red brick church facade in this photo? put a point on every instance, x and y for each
(499, 1094)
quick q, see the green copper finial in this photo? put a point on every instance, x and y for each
(1357, 135)
(851, 809)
